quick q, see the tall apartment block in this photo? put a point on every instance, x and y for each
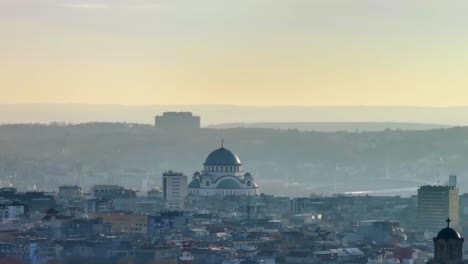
(174, 190)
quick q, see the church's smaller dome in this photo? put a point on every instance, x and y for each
(228, 184)
(194, 184)
(448, 233)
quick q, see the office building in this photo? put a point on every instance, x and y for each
(436, 203)
(177, 121)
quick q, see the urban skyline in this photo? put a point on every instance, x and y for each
(233, 132)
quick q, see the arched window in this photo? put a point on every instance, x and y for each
(249, 183)
(207, 183)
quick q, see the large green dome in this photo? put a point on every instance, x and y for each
(222, 157)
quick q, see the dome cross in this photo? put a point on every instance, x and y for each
(448, 221)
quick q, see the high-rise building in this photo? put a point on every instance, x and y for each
(436, 203)
(174, 190)
(177, 120)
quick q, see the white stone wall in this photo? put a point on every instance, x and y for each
(225, 192)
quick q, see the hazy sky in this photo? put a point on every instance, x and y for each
(241, 52)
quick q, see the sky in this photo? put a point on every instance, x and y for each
(235, 52)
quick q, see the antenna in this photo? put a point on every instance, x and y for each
(249, 212)
(438, 175)
(222, 142)
(334, 178)
(441, 162)
(248, 207)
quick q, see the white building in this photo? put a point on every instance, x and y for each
(222, 174)
(12, 211)
(174, 190)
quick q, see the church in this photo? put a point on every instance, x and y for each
(448, 247)
(223, 175)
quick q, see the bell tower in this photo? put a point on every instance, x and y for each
(448, 246)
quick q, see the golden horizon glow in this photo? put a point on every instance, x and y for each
(248, 53)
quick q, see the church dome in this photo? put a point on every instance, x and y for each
(228, 184)
(222, 156)
(448, 233)
(194, 184)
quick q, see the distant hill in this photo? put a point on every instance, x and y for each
(333, 126)
(222, 114)
(284, 162)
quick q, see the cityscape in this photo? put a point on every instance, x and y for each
(220, 214)
(233, 132)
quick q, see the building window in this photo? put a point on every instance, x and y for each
(207, 183)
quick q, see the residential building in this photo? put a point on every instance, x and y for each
(69, 192)
(11, 211)
(125, 223)
(112, 192)
(174, 190)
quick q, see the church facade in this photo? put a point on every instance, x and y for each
(223, 175)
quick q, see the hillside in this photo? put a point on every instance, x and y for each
(220, 114)
(133, 155)
(333, 126)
